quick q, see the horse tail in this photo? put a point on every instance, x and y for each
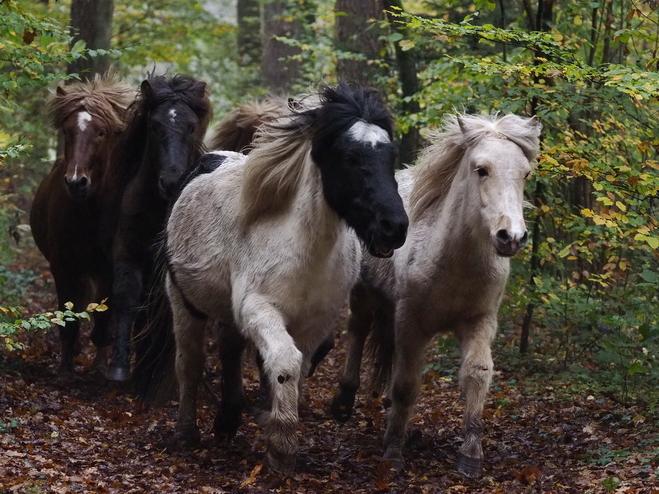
(154, 378)
(380, 349)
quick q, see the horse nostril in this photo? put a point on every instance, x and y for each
(83, 182)
(524, 238)
(386, 227)
(503, 236)
(67, 181)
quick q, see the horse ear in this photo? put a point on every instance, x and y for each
(146, 89)
(60, 91)
(464, 125)
(534, 123)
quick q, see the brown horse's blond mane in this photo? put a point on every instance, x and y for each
(104, 96)
(440, 161)
(235, 132)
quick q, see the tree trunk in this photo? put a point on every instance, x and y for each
(249, 32)
(279, 74)
(411, 141)
(542, 23)
(91, 21)
(356, 32)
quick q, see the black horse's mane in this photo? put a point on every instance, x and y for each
(341, 107)
(130, 152)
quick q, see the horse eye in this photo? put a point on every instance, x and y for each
(101, 133)
(191, 128)
(482, 172)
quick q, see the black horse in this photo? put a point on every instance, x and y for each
(165, 133)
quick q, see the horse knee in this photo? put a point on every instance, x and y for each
(404, 394)
(476, 375)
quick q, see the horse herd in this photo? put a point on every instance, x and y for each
(296, 210)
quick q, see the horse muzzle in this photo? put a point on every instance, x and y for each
(508, 245)
(78, 188)
(389, 237)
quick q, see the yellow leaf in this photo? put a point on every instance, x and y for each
(653, 242)
(406, 44)
(588, 213)
(621, 206)
(69, 305)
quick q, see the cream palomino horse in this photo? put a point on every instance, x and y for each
(265, 245)
(465, 199)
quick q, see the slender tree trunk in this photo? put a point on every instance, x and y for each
(356, 32)
(409, 83)
(249, 32)
(91, 21)
(278, 72)
(542, 23)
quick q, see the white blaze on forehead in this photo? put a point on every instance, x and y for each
(369, 133)
(83, 119)
(172, 115)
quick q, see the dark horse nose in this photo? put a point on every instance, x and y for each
(394, 230)
(77, 187)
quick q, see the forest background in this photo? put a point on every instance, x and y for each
(582, 298)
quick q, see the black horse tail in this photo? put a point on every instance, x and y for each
(380, 348)
(154, 377)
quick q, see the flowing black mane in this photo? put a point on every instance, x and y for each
(338, 109)
(131, 149)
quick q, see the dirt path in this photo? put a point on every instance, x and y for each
(93, 437)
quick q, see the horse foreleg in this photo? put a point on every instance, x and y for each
(359, 326)
(101, 334)
(69, 289)
(232, 346)
(189, 336)
(475, 375)
(405, 387)
(282, 364)
(127, 294)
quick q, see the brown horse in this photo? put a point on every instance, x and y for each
(68, 203)
(167, 124)
(236, 131)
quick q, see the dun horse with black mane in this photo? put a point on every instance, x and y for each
(70, 201)
(265, 244)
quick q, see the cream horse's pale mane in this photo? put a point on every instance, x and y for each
(275, 164)
(440, 161)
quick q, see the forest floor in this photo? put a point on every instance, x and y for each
(542, 434)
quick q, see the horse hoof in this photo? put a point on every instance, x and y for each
(469, 467)
(340, 410)
(226, 424)
(188, 436)
(118, 374)
(395, 457)
(280, 463)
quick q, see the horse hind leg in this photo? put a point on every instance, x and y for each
(359, 326)
(229, 417)
(405, 388)
(189, 336)
(475, 376)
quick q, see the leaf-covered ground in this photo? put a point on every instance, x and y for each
(92, 436)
